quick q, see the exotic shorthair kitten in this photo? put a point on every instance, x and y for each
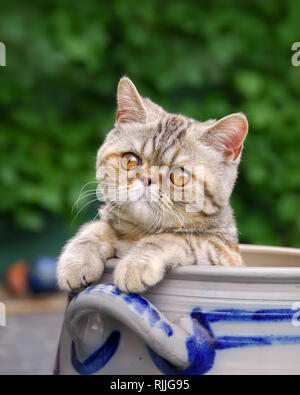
(167, 181)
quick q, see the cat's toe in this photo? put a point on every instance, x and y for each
(135, 277)
(75, 273)
(69, 282)
(76, 280)
(127, 278)
(152, 274)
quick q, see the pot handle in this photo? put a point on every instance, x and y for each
(167, 339)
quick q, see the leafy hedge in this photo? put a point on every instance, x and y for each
(205, 59)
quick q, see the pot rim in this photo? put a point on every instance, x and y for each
(277, 275)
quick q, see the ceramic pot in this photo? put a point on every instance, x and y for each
(198, 320)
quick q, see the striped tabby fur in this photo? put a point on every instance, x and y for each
(152, 238)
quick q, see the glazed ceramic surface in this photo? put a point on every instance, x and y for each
(198, 320)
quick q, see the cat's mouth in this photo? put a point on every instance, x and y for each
(140, 194)
(142, 207)
(143, 201)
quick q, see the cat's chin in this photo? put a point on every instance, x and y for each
(142, 210)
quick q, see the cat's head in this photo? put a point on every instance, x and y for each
(165, 170)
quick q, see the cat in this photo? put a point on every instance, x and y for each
(153, 236)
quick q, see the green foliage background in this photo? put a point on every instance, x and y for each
(205, 59)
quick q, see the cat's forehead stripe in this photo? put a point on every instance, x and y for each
(171, 154)
(147, 148)
(164, 141)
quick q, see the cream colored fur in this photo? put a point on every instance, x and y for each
(151, 238)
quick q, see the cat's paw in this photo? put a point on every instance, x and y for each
(134, 274)
(78, 266)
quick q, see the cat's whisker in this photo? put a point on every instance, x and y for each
(176, 213)
(92, 201)
(157, 219)
(110, 206)
(118, 205)
(152, 227)
(83, 195)
(82, 188)
(97, 215)
(91, 182)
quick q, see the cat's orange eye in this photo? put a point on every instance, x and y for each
(130, 161)
(179, 176)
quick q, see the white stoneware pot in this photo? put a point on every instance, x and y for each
(198, 320)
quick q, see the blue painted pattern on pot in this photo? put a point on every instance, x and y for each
(99, 358)
(202, 357)
(142, 306)
(201, 349)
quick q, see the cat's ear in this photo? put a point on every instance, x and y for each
(130, 104)
(228, 135)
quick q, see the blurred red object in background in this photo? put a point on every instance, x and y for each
(16, 278)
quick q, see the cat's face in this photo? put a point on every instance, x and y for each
(165, 170)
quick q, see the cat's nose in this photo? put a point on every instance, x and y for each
(146, 180)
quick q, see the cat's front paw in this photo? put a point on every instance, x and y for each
(136, 274)
(78, 266)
